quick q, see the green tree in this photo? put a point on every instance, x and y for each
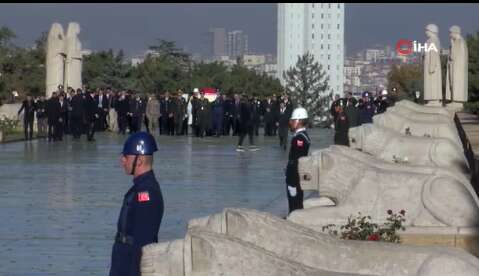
(307, 85)
(107, 69)
(473, 78)
(407, 79)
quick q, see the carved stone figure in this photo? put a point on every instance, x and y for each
(424, 109)
(55, 58)
(419, 116)
(418, 128)
(432, 68)
(64, 58)
(388, 145)
(73, 62)
(432, 197)
(457, 72)
(248, 242)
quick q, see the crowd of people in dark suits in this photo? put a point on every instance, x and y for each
(86, 111)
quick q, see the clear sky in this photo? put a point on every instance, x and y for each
(133, 27)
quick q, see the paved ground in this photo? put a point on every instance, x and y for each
(59, 202)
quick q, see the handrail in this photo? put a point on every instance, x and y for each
(469, 154)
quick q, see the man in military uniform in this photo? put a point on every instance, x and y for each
(341, 124)
(299, 147)
(142, 210)
(366, 109)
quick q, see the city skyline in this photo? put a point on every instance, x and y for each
(133, 27)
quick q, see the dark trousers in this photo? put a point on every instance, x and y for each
(90, 129)
(76, 126)
(147, 122)
(28, 128)
(170, 126)
(236, 127)
(51, 129)
(283, 137)
(59, 130)
(257, 122)
(268, 128)
(246, 130)
(228, 124)
(218, 125)
(295, 202)
(164, 125)
(135, 125)
(122, 123)
(184, 127)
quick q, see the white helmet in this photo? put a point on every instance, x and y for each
(196, 90)
(299, 113)
(384, 92)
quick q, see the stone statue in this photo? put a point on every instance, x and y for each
(64, 58)
(55, 59)
(388, 145)
(73, 62)
(432, 197)
(434, 110)
(457, 73)
(420, 116)
(432, 68)
(248, 242)
(418, 128)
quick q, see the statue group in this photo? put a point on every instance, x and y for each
(456, 76)
(64, 58)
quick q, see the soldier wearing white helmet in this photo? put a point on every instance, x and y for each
(299, 147)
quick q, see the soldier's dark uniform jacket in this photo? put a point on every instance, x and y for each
(299, 147)
(138, 224)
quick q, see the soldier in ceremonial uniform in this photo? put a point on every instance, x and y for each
(142, 210)
(299, 147)
(366, 109)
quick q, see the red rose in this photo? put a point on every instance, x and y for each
(390, 212)
(373, 237)
(402, 212)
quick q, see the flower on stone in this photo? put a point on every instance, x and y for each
(402, 212)
(374, 237)
(390, 212)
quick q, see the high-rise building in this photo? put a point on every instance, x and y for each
(236, 44)
(317, 28)
(218, 41)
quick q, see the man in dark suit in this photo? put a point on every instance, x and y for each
(53, 110)
(101, 100)
(236, 114)
(28, 106)
(122, 108)
(60, 129)
(268, 115)
(91, 115)
(77, 114)
(282, 124)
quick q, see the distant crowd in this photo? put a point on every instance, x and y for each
(85, 111)
(351, 112)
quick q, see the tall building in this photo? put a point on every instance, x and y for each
(236, 44)
(317, 28)
(218, 41)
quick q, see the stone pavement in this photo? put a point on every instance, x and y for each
(59, 202)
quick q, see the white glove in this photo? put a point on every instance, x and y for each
(292, 191)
